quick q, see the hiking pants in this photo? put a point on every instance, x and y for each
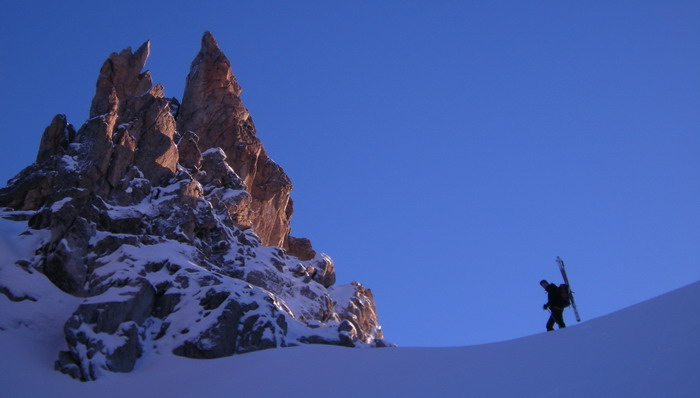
(557, 316)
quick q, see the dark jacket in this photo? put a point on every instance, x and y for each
(554, 296)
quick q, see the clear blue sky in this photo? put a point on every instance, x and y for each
(442, 152)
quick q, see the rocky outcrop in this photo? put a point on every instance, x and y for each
(55, 139)
(212, 111)
(121, 78)
(130, 134)
(300, 247)
(122, 320)
(357, 304)
(172, 223)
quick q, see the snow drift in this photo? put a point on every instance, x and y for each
(647, 350)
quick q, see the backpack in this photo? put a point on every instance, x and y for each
(565, 295)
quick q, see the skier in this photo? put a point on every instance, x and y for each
(555, 304)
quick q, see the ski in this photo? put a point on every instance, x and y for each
(562, 269)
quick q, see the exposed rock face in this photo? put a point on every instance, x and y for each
(55, 139)
(172, 222)
(121, 78)
(212, 111)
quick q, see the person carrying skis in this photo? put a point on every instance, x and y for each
(555, 304)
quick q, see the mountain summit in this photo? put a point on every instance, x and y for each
(171, 225)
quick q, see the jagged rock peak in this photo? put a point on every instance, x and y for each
(209, 42)
(174, 237)
(55, 139)
(213, 111)
(209, 83)
(211, 54)
(121, 78)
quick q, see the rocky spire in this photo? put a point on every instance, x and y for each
(121, 78)
(55, 139)
(130, 125)
(213, 111)
(157, 236)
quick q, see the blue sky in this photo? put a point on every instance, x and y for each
(443, 153)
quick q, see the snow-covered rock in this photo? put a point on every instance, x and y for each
(154, 234)
(648, 350)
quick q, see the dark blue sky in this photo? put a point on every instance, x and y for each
(443, 153)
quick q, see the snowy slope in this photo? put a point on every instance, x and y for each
(648, 350)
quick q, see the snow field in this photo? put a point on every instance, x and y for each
(648, 350)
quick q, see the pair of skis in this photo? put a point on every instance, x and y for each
(562, 269)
